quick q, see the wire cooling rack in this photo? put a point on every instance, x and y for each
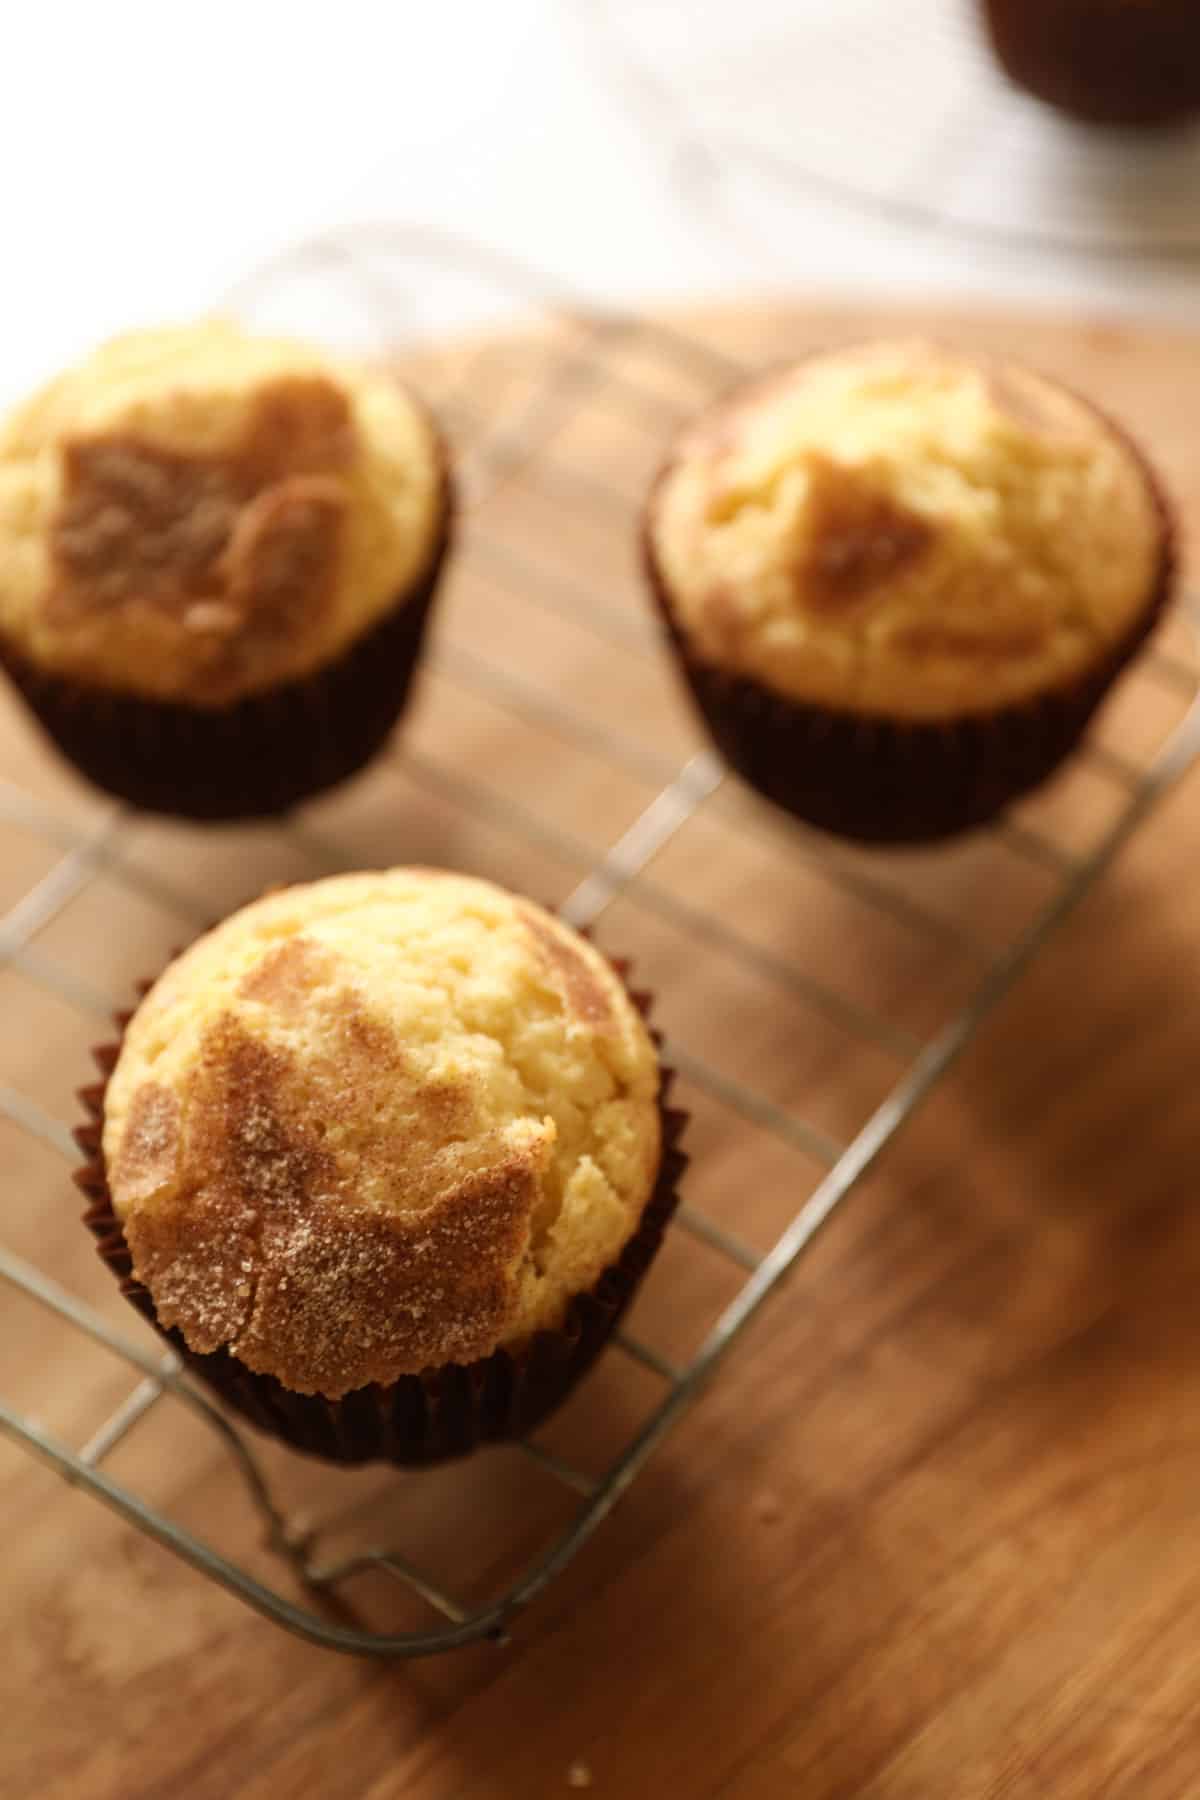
(813, 995)
(899, 107)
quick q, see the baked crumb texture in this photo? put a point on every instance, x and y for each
(897, 531)
(199, 515)
(378, 1125)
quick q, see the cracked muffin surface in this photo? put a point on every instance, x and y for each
(377, 1124)
(197, 514)
(901, 530)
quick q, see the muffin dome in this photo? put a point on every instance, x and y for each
(379, 1124)
(195, 514)
(897, 530)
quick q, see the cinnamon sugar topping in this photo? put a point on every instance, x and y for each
(588, 996)
(861, 540)
(376, 1138)
(150, 1143)
(200, 514)
(260, 1247)
(242, 546)
(285, 977)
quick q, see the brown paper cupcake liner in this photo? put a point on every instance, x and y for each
(896, 781)
(1111, 64)
(259, 756)
(419, 1419)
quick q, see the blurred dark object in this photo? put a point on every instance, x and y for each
(1111, 62)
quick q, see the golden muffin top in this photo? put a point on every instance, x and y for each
(900, 530)
(377, 1124)
(196, 514)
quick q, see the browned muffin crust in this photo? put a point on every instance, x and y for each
(197, 515)
(342, 1183)
(242, 546)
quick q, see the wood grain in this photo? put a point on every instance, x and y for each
(931, 1533)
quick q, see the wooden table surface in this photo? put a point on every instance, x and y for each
(934, 1529)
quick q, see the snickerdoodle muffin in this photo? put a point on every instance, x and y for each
(900, 580)
(385, 1156)
(217, 554)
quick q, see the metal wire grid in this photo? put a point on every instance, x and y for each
(567, 381)
(901, 109)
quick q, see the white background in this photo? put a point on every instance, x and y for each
(151, 154)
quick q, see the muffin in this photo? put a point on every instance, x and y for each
(899, 581)
(1111, 62)
(384, 1157)
(217, 555)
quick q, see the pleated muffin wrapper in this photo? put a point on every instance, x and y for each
(1110, 64)
(420, 1419)
(882, 780)
(261, 755)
